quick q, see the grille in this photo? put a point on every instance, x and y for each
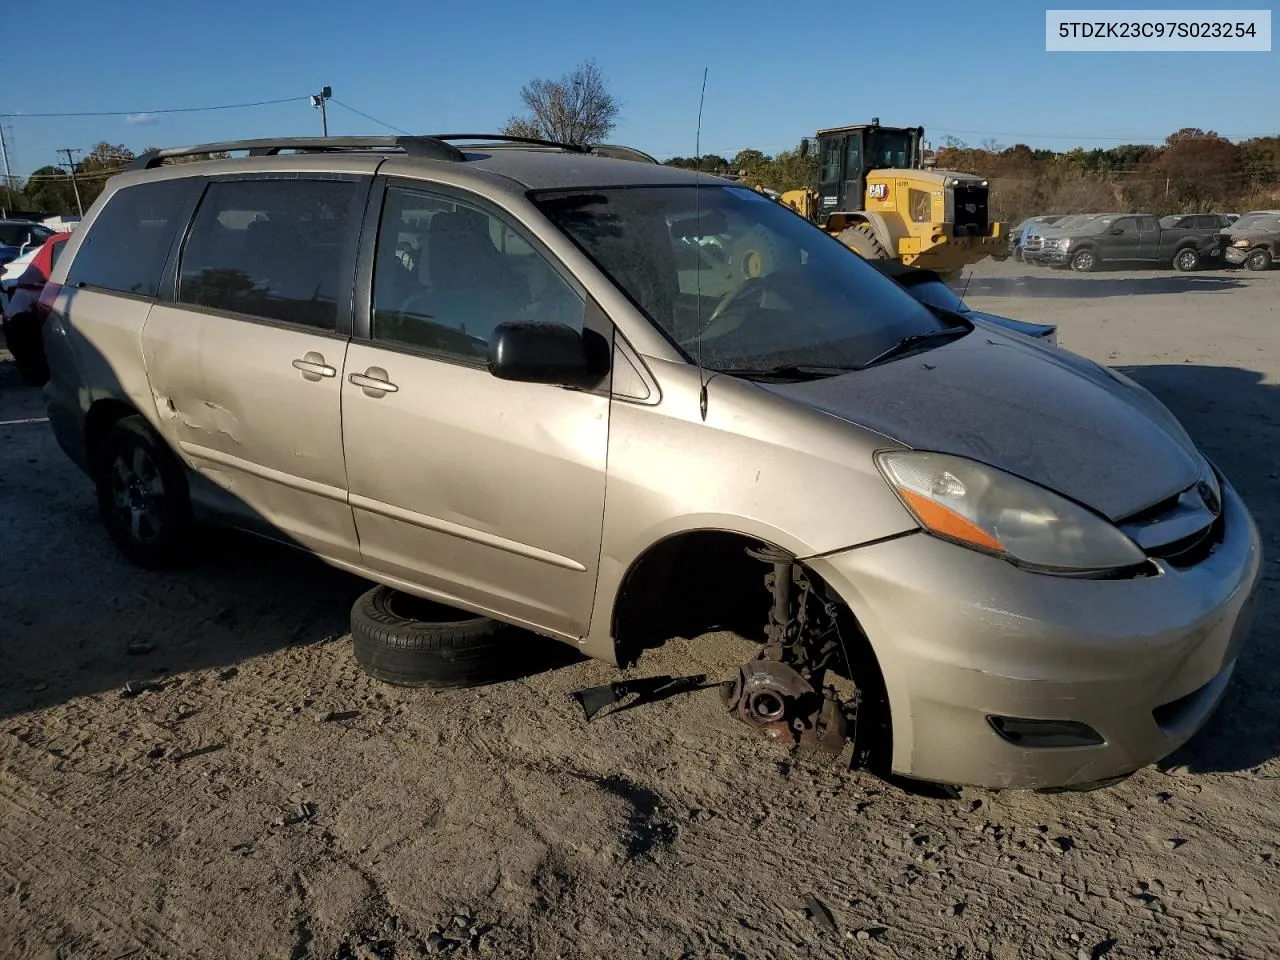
(1033, 243)
(971, 216)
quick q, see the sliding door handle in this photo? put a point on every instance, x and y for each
(313, 366)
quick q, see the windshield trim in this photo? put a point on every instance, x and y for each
(539, 196)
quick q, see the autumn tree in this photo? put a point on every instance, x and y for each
(577, 108)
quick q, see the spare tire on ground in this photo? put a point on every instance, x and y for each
(411, 642)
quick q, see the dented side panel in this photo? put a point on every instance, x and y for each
(229, 399)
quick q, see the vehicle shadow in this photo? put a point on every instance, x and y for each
(1093, 286)
(77, 619)
(1234, 417)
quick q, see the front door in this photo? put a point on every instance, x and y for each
(482, 490)
(246, 365)
(855, 179)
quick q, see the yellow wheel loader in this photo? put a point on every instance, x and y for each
(877, 194)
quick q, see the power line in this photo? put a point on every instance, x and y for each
(381, 123)
(129, 113)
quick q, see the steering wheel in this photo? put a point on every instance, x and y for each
(752, 286)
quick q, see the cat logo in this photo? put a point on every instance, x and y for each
(878, 191)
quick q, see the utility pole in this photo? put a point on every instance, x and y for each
(318, 100)
(4, 155)
(71, 165)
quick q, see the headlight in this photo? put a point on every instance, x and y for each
(1240, 243)
(1064, 243)
(987, 509)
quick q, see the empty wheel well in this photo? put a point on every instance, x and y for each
(699, 582)
(102, 414)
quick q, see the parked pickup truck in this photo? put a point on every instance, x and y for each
(1187, 242)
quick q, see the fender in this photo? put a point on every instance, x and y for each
(876, 221)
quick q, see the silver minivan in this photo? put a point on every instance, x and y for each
(513, 379)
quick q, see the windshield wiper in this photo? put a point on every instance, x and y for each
(907, 344)
(789, 371)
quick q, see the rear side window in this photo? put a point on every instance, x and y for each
(270, 248)
(55, 253)
(129, 241)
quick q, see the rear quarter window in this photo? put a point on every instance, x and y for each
(128, 242)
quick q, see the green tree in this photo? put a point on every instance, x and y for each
(49, 189)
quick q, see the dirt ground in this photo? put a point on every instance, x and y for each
(263, 798)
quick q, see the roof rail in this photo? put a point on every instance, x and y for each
(434, 147)
(509, 138)
(618, 152)
(430, 148)
(613, 150)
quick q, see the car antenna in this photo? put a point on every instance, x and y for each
(967, 280)
(697, 215)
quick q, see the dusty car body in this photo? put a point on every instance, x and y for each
(559, 416)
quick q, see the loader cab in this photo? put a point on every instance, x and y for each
(847, 154)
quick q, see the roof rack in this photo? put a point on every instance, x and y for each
(430, 148)
(435, 147)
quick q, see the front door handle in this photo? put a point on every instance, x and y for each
(373, 382)
(313, 366)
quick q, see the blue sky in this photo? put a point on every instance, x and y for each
(971, 68)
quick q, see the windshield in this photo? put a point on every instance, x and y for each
(886, 149)
(1256, 221)
(764, 287)
(16, 234)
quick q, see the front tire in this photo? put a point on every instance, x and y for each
(1259, 259)
(1186, 259)
(862, 240)
(1084, 261)
(407, 641)
(142, 495)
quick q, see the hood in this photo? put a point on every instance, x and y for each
(1046, 415)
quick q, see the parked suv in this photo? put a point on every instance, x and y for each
(1186, 242)
(497, 378)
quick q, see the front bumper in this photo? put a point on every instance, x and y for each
(962, 637)
(1237, 255)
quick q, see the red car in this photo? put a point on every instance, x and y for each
(23, 317)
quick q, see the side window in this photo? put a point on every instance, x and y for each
(129, 240)
(830, 161)
(447, 273)
(1148, 224)
(1128, 226)
(270, 248)
(853, 156)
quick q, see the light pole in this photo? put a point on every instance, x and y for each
(318, 100)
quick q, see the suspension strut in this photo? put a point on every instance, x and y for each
(781, 692)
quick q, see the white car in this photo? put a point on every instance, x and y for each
(10, 273)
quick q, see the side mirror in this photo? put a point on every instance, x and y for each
(541, 353)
